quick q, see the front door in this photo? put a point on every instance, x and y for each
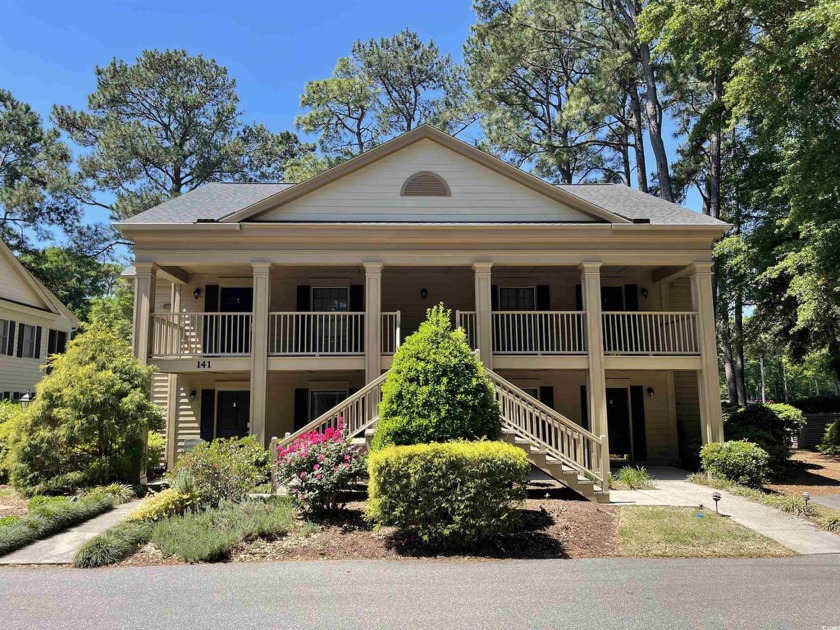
(235, 330)
(232, 413)
(618, 423)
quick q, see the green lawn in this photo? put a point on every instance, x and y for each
(673, 532)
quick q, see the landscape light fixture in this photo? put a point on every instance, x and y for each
(716, 498)
(196, 293)
(26, 399)
(807, 497)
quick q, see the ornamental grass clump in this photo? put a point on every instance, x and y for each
(319, 468)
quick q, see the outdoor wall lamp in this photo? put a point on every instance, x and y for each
(424, 293)
(192, 396)
(645, 292)
(196, 293)
(650, 392)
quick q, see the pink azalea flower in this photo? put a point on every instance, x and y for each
(303, 475)
(318, 476)
(316, 467)
(321, 457)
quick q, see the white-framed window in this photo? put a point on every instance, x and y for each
(29, 335)
(330, 299)
(517, 298)
(322, 400)
(5, 333)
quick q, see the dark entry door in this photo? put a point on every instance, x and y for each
(618, 422)
(235, 337)
(232, 414)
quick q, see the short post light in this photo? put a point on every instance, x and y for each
(806, 496)
(26, 399)
(716, 498)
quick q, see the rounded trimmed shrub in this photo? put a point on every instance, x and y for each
(437, 390)
(772, 427)
(457, 492)
(740, 462)
(164, 504)
(830, 444)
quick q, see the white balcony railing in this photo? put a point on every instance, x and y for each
(539, 332)
(182, 335)
(316, 334)
(650, 333)
(390, 332)
(467, 321)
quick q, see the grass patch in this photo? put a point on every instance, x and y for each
(671, 532)
(632, 478)
(112, 545)
(211, 535)
(821, 516)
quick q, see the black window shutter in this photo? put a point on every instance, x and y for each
(543, 297)
(52, 342)
(208, 413)
(357, 298)
(494, 297)
(303, 298)
(578, 297)
(301, 407)
(631, 297)
(637, 413)
(38, 342)
(211, 298)
(61, 342)
(20, 340)
(547, 395)
(584, 408)
(10, 347)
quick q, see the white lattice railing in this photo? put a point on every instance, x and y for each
(547, 429)
(181, 335)
(539, 332)
(316, 334)
(467, 321)
(390, 332)
(650, 333)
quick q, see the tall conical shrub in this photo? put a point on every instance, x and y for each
(437, 390)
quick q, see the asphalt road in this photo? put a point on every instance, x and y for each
(801, 592)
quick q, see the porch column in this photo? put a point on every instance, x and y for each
(259, 349)
(373, 320)
(708, 379)
(484, 312)
(145, 277)
(172, 393)
(596, 384)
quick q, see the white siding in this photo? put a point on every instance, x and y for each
(19, 374)
(373, 194)
(679, 295)
(14, 287)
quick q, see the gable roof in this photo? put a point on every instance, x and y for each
(53, 304)
(239, 202)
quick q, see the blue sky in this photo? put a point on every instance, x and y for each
(49, 50)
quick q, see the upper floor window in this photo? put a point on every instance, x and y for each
(425, 184)
(57, 342)
(517, 299)
(7, 333)
(330, 299)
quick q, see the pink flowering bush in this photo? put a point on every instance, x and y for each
(318, 469)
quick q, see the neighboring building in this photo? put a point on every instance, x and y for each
(266, 305)
(33, 325)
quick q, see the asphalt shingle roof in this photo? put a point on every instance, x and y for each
(215, 201)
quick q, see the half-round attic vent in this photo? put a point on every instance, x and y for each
(425, 184)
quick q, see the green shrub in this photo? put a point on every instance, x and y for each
(830, 444)
(51, 517)
(437, 390)
(772, 427)
(162, 505)
(10, 414)
(457, 492)
(741, 462)
(40, 500)
(155, 449)
(7, 521)
(632, 478)
(85, 426)
(113, 545)
(224, 470)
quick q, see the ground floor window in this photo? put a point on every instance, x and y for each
(322, 400)
(28, 341)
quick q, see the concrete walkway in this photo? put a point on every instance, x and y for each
(672, 489)
(61, 548)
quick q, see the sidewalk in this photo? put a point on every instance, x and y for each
(61, 548)
(794, 533)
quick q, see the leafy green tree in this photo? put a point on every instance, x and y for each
(164, 125)
(89, 419)
(115, 311)
(35, 179)
(437, 390)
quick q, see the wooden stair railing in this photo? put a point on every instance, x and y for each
(548, 430)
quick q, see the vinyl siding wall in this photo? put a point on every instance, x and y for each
(19, 374)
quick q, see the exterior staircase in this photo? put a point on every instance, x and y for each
(559, 447)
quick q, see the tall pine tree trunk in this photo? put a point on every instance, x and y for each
(638, 138)
(738, 343)
(654, 119)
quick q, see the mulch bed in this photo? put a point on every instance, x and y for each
(814, 473)
(11, 503)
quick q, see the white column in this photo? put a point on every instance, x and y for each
(708, 378)
(259, 349)
(484, 312)
(145, 277)
(373, 320)
(172, 398)
(596, 385)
